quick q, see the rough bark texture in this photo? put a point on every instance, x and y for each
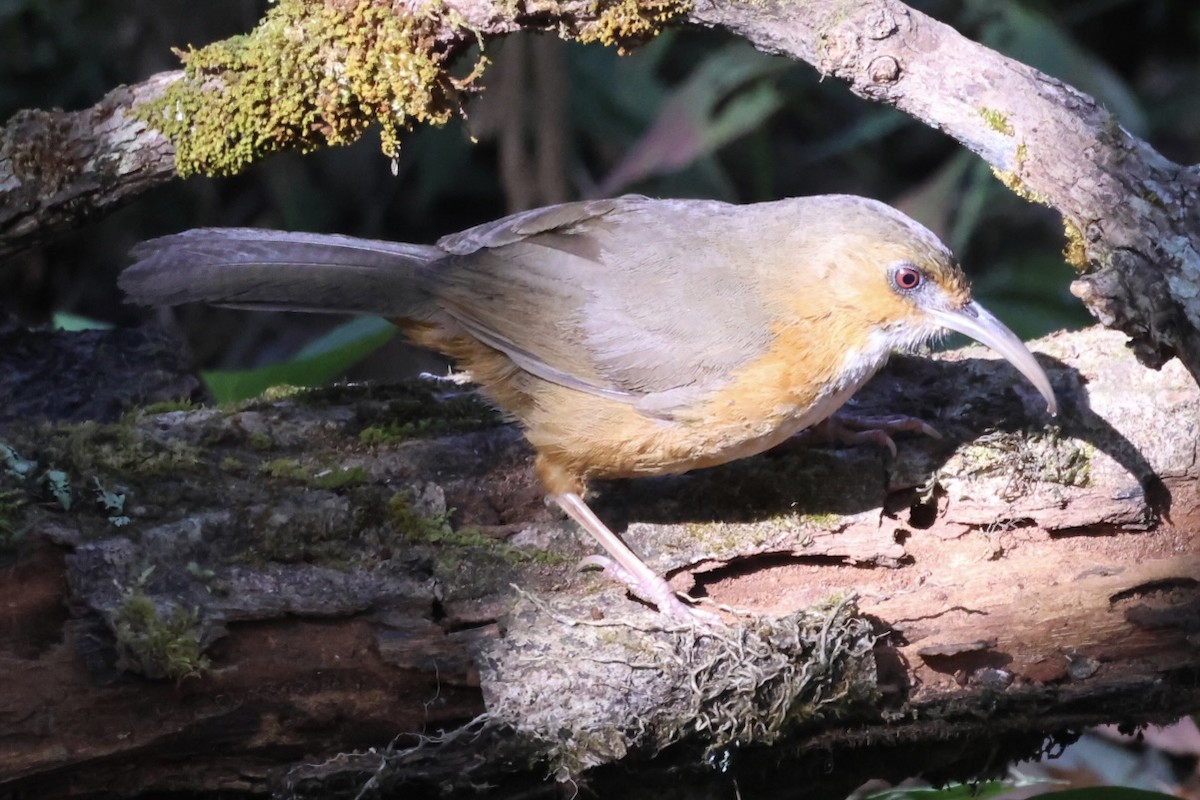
(299, 596)
(60, 169)
(1132, 217)
(94, 375)
(252, 599)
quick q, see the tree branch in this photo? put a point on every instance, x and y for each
(59, 169)
(283, 586)
(1131, 216)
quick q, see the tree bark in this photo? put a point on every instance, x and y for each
(59, 170)
(1132, 217)
(360, 588)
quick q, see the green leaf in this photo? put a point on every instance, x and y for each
(872, 126)
(13, 464)
(66, 321)
(317, 363)
(729, 95)
(59, 485)
(958, 791)
(1106, 793)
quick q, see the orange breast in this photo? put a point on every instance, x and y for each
(579, 435)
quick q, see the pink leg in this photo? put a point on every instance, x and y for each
(627, 567)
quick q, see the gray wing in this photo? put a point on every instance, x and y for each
(638, 299)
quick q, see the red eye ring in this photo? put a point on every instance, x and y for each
(907, 278)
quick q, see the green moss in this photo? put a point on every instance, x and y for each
(397, 431)
(261, 441)
(547, 558)
(304, 539)
(308, 76)
(312, 75)
(997, 121)
(1069, 461)
(155, 644)
(622, 23)
(1023, 460)
(291, 469)
(165, 406)
(827, 521)
(288, 468)
(389, 433)
(416, 528)
(1075, 251)
(339, 478)
(1013, 181)
(375, 435)
(282, 391)
(425, 413)
(748, 685)
(233, 465)
(123, 450)
(1017, 186)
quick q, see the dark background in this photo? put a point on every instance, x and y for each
(749, 128)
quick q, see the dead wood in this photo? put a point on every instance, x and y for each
(1132, 217)
(361, 587)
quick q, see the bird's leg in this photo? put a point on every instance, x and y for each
(626, 566)
(850, 429)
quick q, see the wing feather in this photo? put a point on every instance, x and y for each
(631, 298)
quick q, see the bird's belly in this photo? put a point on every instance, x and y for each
(785, 424)
(588, 435)
(603, 438)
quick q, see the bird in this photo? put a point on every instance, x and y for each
(627, 336)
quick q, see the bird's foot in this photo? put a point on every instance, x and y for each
(852, 430)
(625, 566)
(655, 591)
(459, 378)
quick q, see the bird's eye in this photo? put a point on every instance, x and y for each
(907, 278)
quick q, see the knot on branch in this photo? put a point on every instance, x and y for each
(884, 69)
(881, 22)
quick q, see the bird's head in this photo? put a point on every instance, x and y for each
(906, 285)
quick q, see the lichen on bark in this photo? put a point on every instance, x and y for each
(312, 74)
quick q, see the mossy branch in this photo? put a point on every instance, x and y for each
(302, 594)
(313, 75)
(319, 73)
(310, 75)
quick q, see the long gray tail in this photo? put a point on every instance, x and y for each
(262, 269)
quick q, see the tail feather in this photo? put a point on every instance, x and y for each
(251, 268)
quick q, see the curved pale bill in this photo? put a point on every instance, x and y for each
(977, 322)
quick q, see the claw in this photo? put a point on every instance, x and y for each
(627, 567)
(854, 430)
(656, 592)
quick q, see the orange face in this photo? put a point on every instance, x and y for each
(889, 267)
(859, 279)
